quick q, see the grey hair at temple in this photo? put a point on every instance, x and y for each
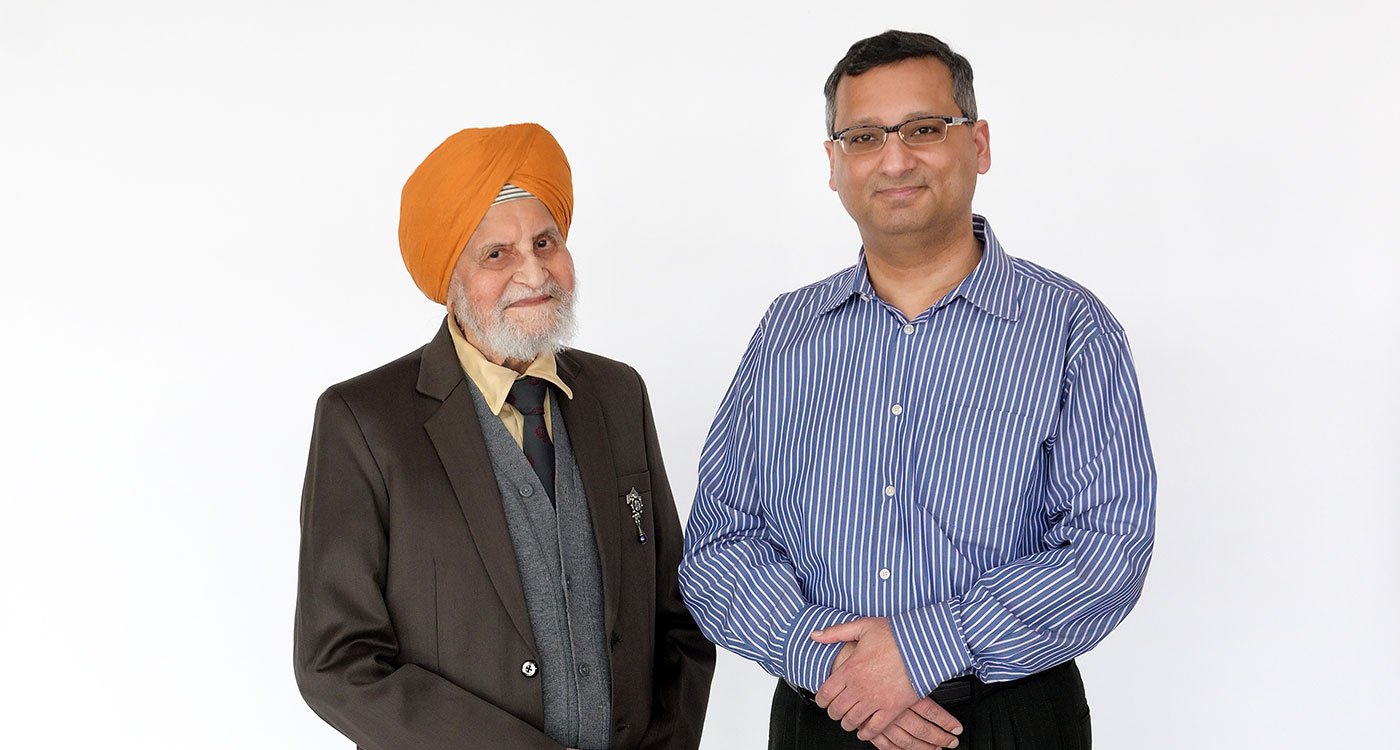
(892, 47)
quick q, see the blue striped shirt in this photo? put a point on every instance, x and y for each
(980, 475)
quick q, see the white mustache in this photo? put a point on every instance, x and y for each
(549, 288)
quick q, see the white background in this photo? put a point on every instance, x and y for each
(199, 235)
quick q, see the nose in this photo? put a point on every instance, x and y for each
(531, 272)
(896, 158)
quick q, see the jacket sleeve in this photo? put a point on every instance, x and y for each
(345, 648)
(685, 659)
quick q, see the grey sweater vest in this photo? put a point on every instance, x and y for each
(558, 559)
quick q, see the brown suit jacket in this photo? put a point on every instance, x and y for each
(411, 625)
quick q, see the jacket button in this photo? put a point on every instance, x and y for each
(623, 726)
(529, 669)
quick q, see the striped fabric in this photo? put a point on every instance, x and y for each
(980, 474)
(510, 192)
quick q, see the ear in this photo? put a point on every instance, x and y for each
(982, 137)
(447, 304)
(831, 162)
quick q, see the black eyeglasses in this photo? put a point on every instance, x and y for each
(920, 131)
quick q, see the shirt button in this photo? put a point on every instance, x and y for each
(527, 491)
(896, 410)
(889, 490)
(884, 574)
(908, 327)
(529, 669)
(583, 670)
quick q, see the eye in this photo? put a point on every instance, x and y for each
(548, 243)
(927, 130)
(862, 137)
(495, 256)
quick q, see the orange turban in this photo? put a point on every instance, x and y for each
(448, 194)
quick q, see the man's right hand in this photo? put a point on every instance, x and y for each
(923, 726)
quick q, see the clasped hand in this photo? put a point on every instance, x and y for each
(869, 691)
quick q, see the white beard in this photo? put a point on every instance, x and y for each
(502, 337)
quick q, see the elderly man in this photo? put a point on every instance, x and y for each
(489, 544)
(929, 486)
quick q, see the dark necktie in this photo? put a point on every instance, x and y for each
(527, 396)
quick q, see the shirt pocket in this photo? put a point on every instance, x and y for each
(973, 472)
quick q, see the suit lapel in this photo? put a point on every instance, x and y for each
(588, 432)
(456, 434)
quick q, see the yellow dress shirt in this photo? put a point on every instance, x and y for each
(494, 381)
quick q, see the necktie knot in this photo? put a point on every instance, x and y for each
(527, 395)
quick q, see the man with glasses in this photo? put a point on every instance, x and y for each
(929, 487)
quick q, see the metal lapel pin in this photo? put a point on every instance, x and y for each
(634, 501)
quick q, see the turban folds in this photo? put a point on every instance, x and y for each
(450, 192)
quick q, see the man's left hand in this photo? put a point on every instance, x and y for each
(870, 688)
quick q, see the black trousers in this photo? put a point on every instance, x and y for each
(1045, 711)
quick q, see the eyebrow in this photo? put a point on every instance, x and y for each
(500, 245)
(862, 122)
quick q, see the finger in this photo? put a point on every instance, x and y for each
(935, 713)
(829, 690)
(866, 733)
(877, 723)
(846, 631)
(897, 737)
(921, 729)
(857, 716)
(841, 705)
(884, 743)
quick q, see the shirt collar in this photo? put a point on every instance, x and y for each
(849, 283)
(493, 380)
(989, 286)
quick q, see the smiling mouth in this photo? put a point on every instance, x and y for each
(899, 192)
(531, 301)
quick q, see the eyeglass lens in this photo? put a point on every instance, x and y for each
(915, 133)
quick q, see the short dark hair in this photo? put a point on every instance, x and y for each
(892, 47)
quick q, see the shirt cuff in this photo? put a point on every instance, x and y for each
(931, 642)
(807, 663)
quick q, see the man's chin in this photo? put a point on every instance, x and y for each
(538, 320)
(904, 220)
(544, 329)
